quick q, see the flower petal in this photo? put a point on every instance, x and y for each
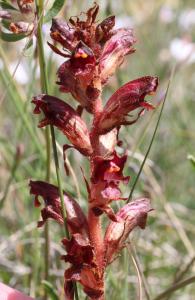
(65, 118)
(26, 6)
(93, 286)
(104, 29)
(61, 32)
(79, 251)
(106, 177)
(98, 210)
(77, 76)
(4, 14)
(89, 278)
(21, 27)
(133, 214)
(76, 220)
(107, 142)
(69, 290)
(126, 99)
(50, 212)
(119, 45)
(110, 170)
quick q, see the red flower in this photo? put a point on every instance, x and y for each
(94, 52)
(76, 75)
(63, 33)
(131, 215)
(106, 177)
(76, 220)
(88, 31)
(110, 170)
(90, 278)
(79, 251)
(114, 51)
(64, 117)
(126, 99)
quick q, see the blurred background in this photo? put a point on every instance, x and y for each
(165, 250)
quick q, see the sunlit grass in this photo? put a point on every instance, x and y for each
(167, 245)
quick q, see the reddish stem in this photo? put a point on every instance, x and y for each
(95, 229)
(95, 232)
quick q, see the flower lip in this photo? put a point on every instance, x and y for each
(110, 170)
(82, 53)
(104, 29)
(91, 15)
(115, 49)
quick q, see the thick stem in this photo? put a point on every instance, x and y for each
(95, 232)
(95, 228)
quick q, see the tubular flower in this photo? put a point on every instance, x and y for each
(76, 219)
(65, 118)
(131, 215)
(114, 51)
(20, 17)
(93, 50)
(76, 73)
(126, 99)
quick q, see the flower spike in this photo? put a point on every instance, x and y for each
(92, 53)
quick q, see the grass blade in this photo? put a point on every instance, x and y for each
(151, 143)
(50, 290)
(175, 287)
(11, 37)
(55, 9)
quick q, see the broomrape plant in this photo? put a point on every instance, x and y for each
(93, 52)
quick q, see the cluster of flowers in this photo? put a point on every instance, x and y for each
(93, 53)
(19, 16)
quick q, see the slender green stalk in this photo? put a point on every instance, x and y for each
(175, 287)
(59, 179)
(134, 255)
(13, 170)
(44, 83)
(150, 145)
(184, 271)
(140, 295)
(126, 270)
(44, 88)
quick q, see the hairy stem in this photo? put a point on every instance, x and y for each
(95, 228)
(95, 232)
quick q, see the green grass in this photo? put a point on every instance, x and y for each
(166, 246)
